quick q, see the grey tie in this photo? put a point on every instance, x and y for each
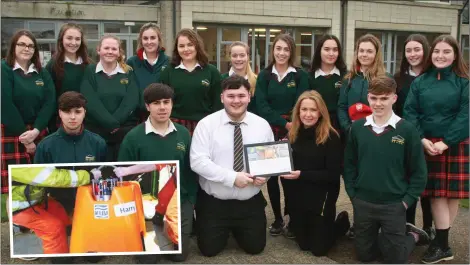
(237, 147)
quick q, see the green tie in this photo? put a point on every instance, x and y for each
(237, 147)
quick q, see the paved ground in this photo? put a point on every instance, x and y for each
(282, 250)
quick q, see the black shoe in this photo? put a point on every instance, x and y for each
(436, 254)
(342, 223)
(351, 234)
(288, 233)
(276, 228)
(148, 259)
(423, 237)
(431, 232)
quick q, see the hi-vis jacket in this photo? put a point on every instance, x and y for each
(32, 181)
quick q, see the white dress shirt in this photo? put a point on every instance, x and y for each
(151, 63)
(211, 153)
(182, 66)
(231, 72)
(31, 68)
(394, 119)
(411, 72)
(279, 77)
(118, 69)
(79, 60)
(150, 129)
(320, 72)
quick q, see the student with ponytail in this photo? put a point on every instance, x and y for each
(240, 65)
(112, 94)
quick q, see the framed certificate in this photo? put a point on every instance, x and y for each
(268, 159)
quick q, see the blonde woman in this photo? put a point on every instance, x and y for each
(240, 65)
(112, 95)
(148, 63)
(367, 64)
(317, 155)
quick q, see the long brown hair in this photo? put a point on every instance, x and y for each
(249, 72)
(59, 56)
(11, 55)
(290, 43)
(146, 26)
(459, 67)
(377, 68)
(324, 127)
(120, 59)
(316, 58)
(405, 65)
(194, 38)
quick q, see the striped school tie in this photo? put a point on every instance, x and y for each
(237, 147)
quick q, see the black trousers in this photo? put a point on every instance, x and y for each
(274, 193)
(217, 218)
(426, 209)
(393, 242)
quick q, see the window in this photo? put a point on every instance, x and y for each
(465, 48)
(9, 27)
(209, 37)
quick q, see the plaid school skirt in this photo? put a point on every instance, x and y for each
(190, 125)
(14, 153)
(280, 132)
(448, 174)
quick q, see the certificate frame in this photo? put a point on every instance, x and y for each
(278, 162)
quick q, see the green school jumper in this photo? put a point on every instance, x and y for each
(197, 93)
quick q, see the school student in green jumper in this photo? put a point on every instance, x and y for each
(384, 173)
(28, 102)
(326, 73)
(352, 103)
(112, 94)
(67, 66)
(196, 82)
(240, 65)
(158, 138)
(277, 89)
(148, 63)
(438, 106)
(416, 52)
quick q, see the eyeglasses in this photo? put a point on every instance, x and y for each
(24, 45)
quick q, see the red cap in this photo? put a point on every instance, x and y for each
(358, 111)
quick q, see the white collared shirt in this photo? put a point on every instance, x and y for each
(211, 153)
(411, 72)
(394, 119)
(289, 70)
(181, 66)
(231, 72)
(320, 72)
(151, 63)
(31, 68)
(118, 69)
(79, 60)
(150, 129)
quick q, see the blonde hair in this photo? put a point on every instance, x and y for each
(121, 61)
(324, 127)
(146, 26)
(377, 68)
(249, 72)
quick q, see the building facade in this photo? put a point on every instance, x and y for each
(256, 22)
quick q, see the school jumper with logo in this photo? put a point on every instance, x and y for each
(71, 80)
(61, 147)
(28, 101)
(146, 74)
(197, 93)
(112, 101)
(141, 144)
(328, 85)
(252, 104)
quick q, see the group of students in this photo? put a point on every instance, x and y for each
(338, 122)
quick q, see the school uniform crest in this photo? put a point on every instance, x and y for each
(124, 81)
(181, 146)
(338, 84)
(359, 107)
(39, 82)
(398, 140)
(291, 84)
(89, 158)
(205, 83)
(163, 67)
